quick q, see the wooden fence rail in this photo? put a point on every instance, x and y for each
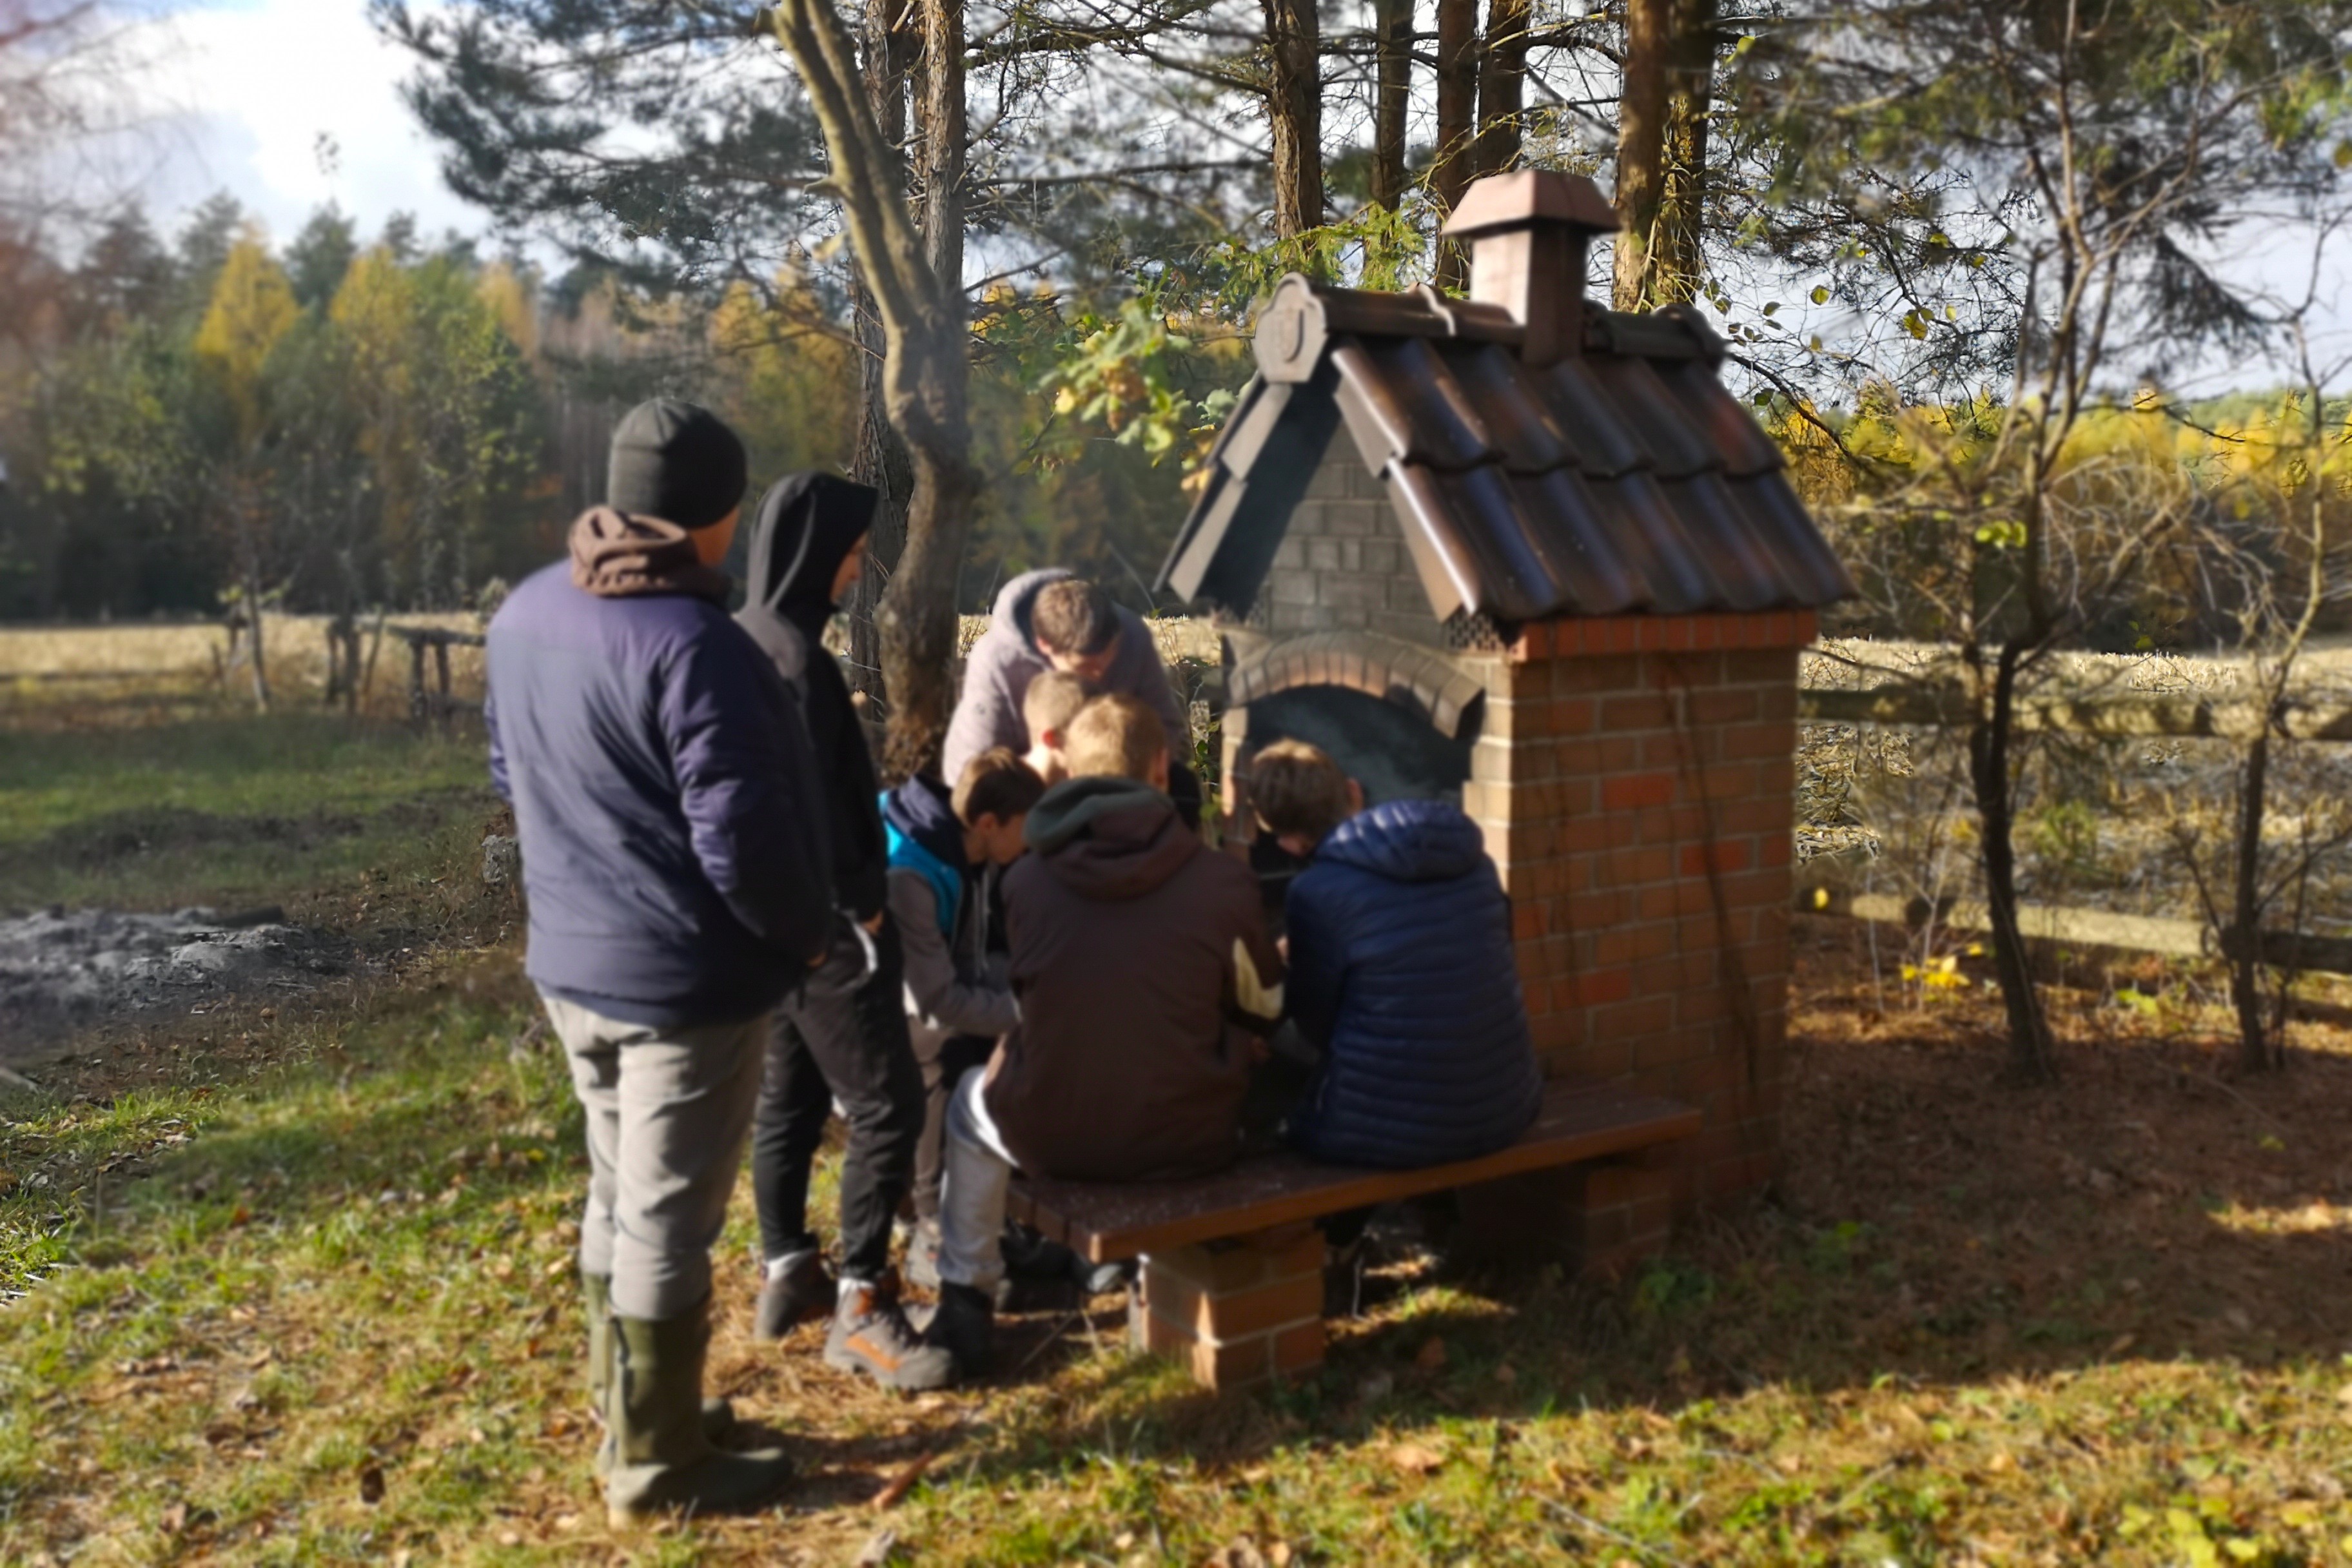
(426, 704)
(2117, 718)
(2169, 937)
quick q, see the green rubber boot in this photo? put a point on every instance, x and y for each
(596, 1301)
(661, 1457)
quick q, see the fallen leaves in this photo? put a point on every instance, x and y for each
(1414, 1460)
(372, 1485)
(1247, 1554)
(1431, 1356)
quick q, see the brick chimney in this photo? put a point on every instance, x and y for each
(1529, 231)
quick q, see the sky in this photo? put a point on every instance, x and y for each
(286, 105)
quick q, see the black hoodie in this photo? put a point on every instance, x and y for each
(806, 526)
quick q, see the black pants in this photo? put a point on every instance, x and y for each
(944, 1060)
(843, 1037)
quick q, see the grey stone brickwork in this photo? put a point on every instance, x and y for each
(1344, 564)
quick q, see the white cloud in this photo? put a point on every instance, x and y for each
(286, 105)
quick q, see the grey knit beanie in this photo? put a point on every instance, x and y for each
(675, 461)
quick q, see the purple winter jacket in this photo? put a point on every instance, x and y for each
(663, 799)
(1006, 659)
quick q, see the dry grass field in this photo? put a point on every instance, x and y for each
(89, 675)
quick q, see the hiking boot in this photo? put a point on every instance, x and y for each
(661, 1457)
(965, 1326)
(871, 1335)
(597, 1293)
(923, 1255)
(797, 1289)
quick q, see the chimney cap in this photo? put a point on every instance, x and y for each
(1526, 197)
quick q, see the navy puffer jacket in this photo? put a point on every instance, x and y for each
(1402, 969)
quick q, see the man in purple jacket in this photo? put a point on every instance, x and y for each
(678, 888)
(1054, 619)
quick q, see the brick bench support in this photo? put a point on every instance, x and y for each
(1231, 1277)
(1237, 1311)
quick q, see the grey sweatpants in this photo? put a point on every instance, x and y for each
(668, 1112)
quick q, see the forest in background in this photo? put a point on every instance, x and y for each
(340, 422)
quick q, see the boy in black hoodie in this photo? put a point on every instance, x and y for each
(844, 1037)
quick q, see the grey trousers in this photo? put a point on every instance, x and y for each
(669, 1110)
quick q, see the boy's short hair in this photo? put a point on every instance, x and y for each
(1053, 700)
(996, 784)
(1072, 615)
(1114, 736)
(1298, 788)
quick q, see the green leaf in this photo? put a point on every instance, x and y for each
(1821, 295)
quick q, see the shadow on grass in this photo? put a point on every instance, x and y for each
(364, 1260)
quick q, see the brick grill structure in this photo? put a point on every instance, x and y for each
(1545, 531)
(1634, 777)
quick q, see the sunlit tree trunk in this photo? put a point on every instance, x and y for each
(879, 458)
(1502, 86)
(1294, 112)
(926, 366)
(1457, 108)
(1391, 98)
(1640, 146)
(1677, 265)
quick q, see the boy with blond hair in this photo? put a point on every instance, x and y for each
(1138, 954)
(1051, 702)
(1401, 971)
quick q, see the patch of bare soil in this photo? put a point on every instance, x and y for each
(62, 971)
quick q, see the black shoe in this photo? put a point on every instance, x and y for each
(1029, 1255)
(1101, 1279)
(965, 1326)
(800, 1291)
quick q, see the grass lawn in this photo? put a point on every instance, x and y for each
(226, 809)
(298, 1287)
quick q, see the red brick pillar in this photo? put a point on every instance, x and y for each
(1236, 1312)
(1634, 776)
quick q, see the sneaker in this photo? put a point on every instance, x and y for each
(871, 1335)
(798, 1290)
(965, 1328)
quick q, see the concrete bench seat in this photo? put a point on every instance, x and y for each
(1232, 1276)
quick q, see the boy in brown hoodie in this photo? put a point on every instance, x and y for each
(1139, 955)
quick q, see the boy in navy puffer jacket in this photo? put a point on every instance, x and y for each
(1401, 970)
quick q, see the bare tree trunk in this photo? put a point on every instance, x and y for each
(1391, 98)
(1640, 146)
(879, 458)
(1457, 105)
(1677, 264)
(2033, 1054)
(1502, 86)
(2245, 912)
(253, 619)
(1294, 106)
(926, 368)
